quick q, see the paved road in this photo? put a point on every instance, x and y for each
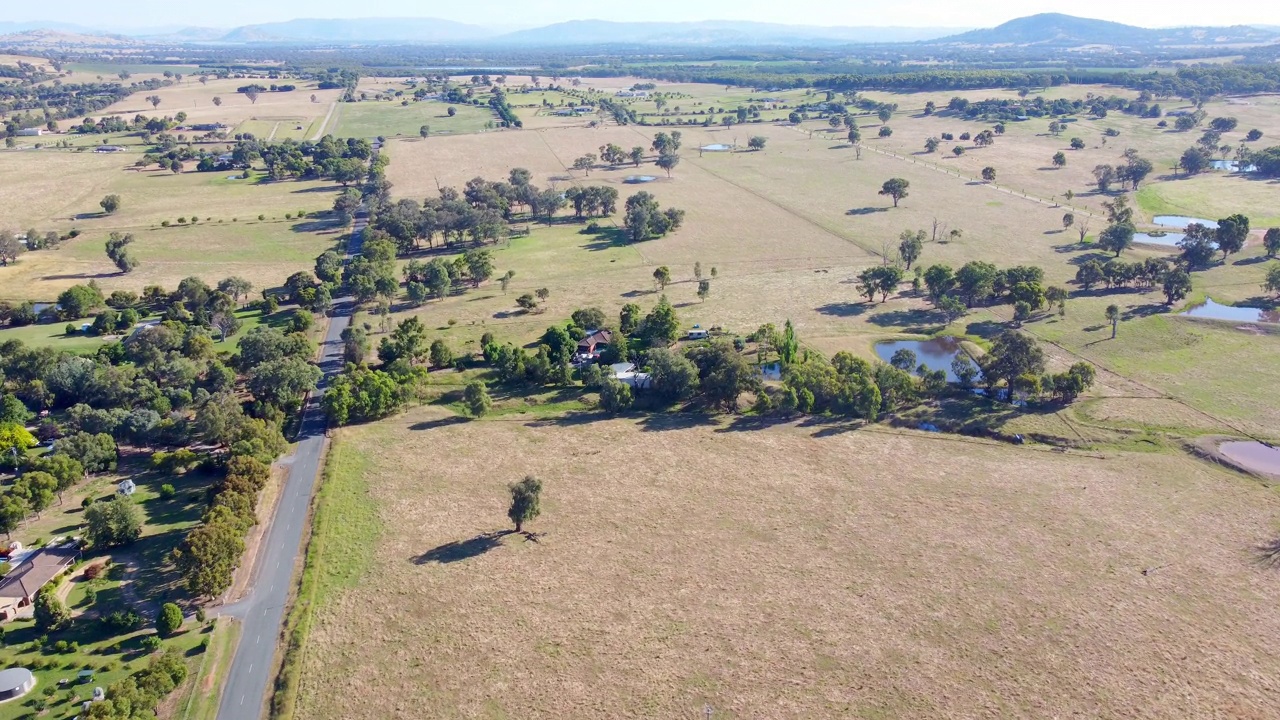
(263, 610)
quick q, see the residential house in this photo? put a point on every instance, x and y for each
(626, 373)
(18, 589)
(594, 342)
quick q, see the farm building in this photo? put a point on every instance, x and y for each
(31, 132)
(18, 589)
(626, 373)
(109, 149)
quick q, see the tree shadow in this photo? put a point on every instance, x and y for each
(1143, 311)
(752, 423)
(985, 329)
(568, 419)
(80, 276)
(320, 189)
(866, 210)
(843, 309)
(608, 238)
(1252, 260)
(916, 322)
(1101, 257)
(460, 550)
(677, 421)
(440, 423)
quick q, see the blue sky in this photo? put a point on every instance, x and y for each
(526, 13)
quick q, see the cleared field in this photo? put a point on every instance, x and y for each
(264, 252)
(789, 228)
(787, 572)
(196, 100)
(391, 119)
(61, 190)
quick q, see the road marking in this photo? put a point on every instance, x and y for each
(259, 640)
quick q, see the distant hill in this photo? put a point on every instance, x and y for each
(52, 39)
(1055, 29)
(710, 32)
(370, 30)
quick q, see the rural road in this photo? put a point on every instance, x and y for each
(262, 611)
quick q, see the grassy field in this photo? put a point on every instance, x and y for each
(788, 572)
(391, 119)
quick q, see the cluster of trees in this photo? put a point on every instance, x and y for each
(118, 252)
(980, 283)
(209, 554)
(11, 246)
(1144, 274)
(140, 694)
(348, 161)
(1200, 242)
(31, 103)
(1130, 174)
(479, 214)
(645, 219)
(498, 101)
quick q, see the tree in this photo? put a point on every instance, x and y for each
(661, 278)
(169, 621)
(1113, 317)
(1272, 282)
(1059, 159)
(441, 356)
(895, 188)
(113, 523)
(238, 287)
(882, 279)
(217, 101)
(668, 161)
(1194, 161)
(1197, 245)
(931, 144)
(1068, 220)
(704, 289)
(661, 327)
(110, 204)
(154, 100)
(50, 613)
(756, 142)
(1177, 285)
(673, 375)
(526, 498)
(958, 150)
(854, 136)
(476, 396)
(939, 279)
(424, 131)
(251, 93)
(885, 131)
(910, 247)
(975, 281)
(1271, 242)
(1231, 234)
(989, 174)
(1077, 143)
(615, 397)
(14, 437)
(1117, 238)
(1103, 176)
(1013, 355)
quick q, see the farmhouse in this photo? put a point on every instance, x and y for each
(594, 342)
(18, 589)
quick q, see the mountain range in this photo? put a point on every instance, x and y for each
(1047, 29)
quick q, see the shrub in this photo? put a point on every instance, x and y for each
(150, 643)
(167, 491)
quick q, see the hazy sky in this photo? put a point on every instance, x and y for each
(928, 13)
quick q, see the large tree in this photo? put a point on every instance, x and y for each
(895, 188)
(526, 497)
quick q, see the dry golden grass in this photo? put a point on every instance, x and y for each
(196, 101)
(793, 573)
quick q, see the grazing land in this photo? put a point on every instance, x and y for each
(794, 571)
